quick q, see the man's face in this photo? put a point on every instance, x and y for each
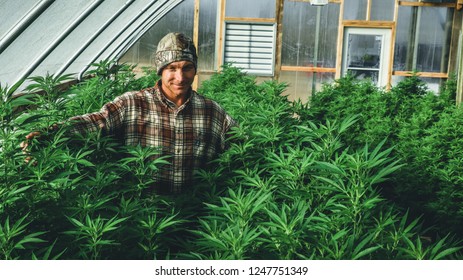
(177, 78)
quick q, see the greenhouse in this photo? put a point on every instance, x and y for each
(295, 41)
(336, 127)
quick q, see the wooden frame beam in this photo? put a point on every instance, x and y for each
(247, 19)
(308, 69)
(368, 24)
(421, 74)
(222, 6)
(279, 38)
(196, 37)
(427, 4)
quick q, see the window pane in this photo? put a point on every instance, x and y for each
(355, 9)
(433, 84)
(207, 34)
(363, 56)
(382, 10)
(404, 43)
(364, 51)
(309, 34)
(423, 39)
(253, 9)
(179, 19)
(328, 36)
(434, 39)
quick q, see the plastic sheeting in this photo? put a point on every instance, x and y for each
(61, 36)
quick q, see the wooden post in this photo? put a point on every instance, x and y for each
(279, 41)
(340, 42)
(220, 45)
(196, 37)
(459, 97)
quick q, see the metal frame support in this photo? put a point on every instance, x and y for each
(31, 16)
(58, 40)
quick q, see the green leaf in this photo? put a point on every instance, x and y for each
(85, 162)
(329, 167)
(365, 252)
(447, 252)
(340, 234)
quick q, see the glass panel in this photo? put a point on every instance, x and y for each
(382, 10)
(404, 43)
(328, 36)
(310, 34)
(253, 9)
(301, 85)
(179, 19)
(434, 39)
(423, 39)
(207, 34)
(355, 9)
(363, 56)
(433, 84)
(364, 51)
(11, 13)
(373, 75)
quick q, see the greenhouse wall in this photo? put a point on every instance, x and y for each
(381, 40)
(40, 37)
(291, 41)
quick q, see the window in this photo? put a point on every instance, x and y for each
(309, 35)
(366, 53)
(423, 39)
(207, 35)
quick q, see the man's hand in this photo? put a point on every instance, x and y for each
(25, 144)
(29, 137)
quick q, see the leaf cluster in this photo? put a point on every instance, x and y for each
(80, 196)
(424, 129)
(291, 187)
(298, 181)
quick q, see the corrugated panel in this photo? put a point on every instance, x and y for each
(61, 36)
(250, 46)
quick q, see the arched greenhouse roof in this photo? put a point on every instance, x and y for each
(61, 36)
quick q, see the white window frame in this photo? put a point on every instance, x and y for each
(385, 33)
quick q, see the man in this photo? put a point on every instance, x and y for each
(187, 127)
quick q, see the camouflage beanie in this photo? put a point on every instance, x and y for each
(174, 47)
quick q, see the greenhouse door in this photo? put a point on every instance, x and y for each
(366, 53)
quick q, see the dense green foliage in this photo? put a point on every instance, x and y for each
(425, 130)
(297, 183)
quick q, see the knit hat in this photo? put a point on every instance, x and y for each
(174, 47)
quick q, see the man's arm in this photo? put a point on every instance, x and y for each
(108, 119)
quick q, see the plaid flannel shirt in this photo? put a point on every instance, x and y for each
(190, 135)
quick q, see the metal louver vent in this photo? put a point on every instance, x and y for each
(250, 46)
